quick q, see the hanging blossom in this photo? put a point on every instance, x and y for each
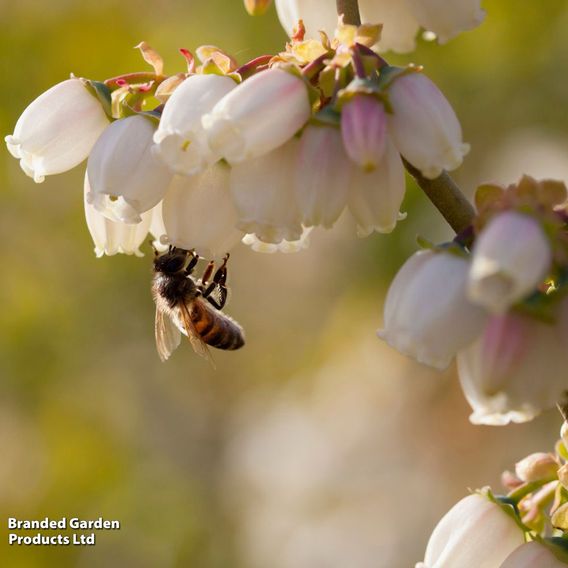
(57, 130)
(497, 299)
(180, 139)
(526, 528)
(113, 237)
(401, 19)
(198, 213)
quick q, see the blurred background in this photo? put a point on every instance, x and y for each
(316, 446)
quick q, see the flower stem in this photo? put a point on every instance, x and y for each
(447, 197)
(442, 191)
(350, 11)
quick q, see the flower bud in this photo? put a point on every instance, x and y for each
(364, 129)
(125, 178)
(537, 467)
(322, 176)
(113, 237)
(535, 555)
(375, 198)
(57, 130)
(257, 7)
(198, 212)
(424, 126)
(474, 532)
(265, 198)
(447, 19)
(180, 139)
(498, 371)
(511, 258)
(427, 315)
(258, 115)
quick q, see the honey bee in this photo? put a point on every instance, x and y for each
(189, 306)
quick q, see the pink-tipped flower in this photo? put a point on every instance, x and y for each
(364, 131)
(447, 18)
(511, 373)
(126, 179)
(180, 140)
(323, 175)
(511, 257)
(427, 315)
(264, 197)
(198, 212)
(536, 555)
(114, 237)
(257, 116)
(424, 126)
(57, 130)
(476, 532)
(375, 197)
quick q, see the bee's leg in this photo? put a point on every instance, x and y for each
(207, 273)
(219, 280)
(221, 274)
(194, 260)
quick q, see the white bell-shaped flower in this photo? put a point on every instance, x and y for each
(284, 246)
(257, 116)
(180, 139)
(511, 373)
(447, 18)
(427, 315)
(536, 555)
(265, 198)
(57, 130)
(375, 197)
(424, 126)
(474, 533)
(399, 23)
(323, 175)
(114, 237)
(511, 257)
(126, 179)
(198, 212)
(316, 14)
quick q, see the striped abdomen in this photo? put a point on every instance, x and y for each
(215, 328)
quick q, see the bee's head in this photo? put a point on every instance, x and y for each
(171, 262)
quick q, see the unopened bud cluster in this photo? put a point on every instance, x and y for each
(496, 298)
(263, 151)
(526, 528)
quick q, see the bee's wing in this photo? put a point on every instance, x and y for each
(199, 346)
(168, 336)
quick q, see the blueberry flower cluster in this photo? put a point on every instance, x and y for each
(497, 298)
(262, 152)
(525, 528)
